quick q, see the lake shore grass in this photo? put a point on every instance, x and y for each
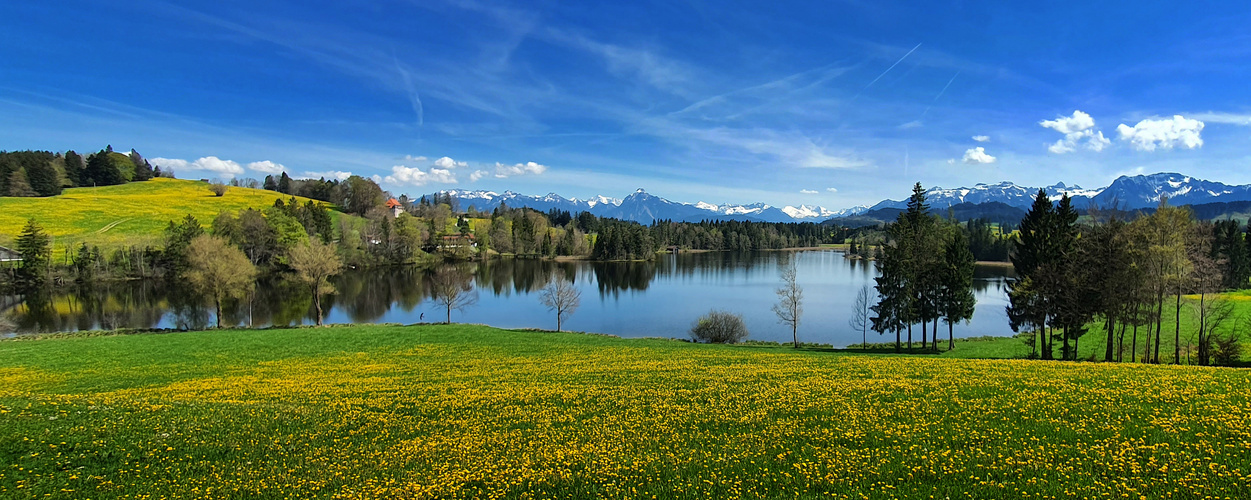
(470, 411)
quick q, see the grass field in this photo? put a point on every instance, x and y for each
(471, 411)
(128, 214)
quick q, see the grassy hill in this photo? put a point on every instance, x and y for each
(128, 214)
(466, 411)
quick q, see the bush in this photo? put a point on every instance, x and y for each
(217, 188)
(719, 327)
(1227, 350)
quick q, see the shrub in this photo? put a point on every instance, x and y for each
(719, 327)
(1227, 350)
(217, 188)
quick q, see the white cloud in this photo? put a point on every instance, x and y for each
(414, 158)
(1165, 133)
(1078, 130)
(208, 164)
(981, 138)
(503, 171)
(478, 174)
(832, 190)
(951, 161)
(266, 167)
(448, 163)
(808, 191)
(169, 163)
(412, 176)
(329, 174)
(442, 176)
(978, 155)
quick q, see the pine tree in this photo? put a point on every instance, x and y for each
(956, 299)
(284, 184)
(100, 171)
(1031, 251)
(36, 248)
(19, 186)
(74, 167)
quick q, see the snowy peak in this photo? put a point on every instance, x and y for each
(1142, 191)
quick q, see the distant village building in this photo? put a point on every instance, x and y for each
(459, 241)
(396, 207)
(7, 255)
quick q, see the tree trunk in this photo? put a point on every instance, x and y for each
(1111, 332)
(1046, 343)
(935, 331)
(951, 337)
(317, 302)
(1159, 326)
(558, 320)
(449, 313)
(795, 333)
(909, 336)
(217, 302)
(1177, 332)
(898, 349)
(1133, 352)
(924, 324)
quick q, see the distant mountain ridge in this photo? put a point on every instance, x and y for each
(645, 208)
(1125, 192)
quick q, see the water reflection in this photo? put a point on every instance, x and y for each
(658, 298)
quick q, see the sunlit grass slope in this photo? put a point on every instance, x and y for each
(129, 214)
(470, 411)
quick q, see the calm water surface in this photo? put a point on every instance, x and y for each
(630, 299)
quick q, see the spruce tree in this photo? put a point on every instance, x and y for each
(36, 248)
(19, 186)
(74, 167)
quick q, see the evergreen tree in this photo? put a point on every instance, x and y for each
(36, 248)
(1031, 254)
(100, 171)
(43, 178)
(284, 184)
(74, 167)
(270, 183)
(956, 300)
(19, 186)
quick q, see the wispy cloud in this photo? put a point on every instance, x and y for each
(808, 191)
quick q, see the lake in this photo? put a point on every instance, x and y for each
(630, 299)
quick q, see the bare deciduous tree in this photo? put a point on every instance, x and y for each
(315, 262)
(861, 313)
(561, 296)
(219, 270)
(790, 304)
(453, 289)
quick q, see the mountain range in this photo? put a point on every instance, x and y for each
(1126, 192)
(645, 208)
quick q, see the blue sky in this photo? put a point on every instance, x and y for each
(830, 103)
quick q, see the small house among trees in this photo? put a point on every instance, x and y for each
(8, 255)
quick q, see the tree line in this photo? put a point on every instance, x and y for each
(44, 173)
(1121, 275)
(925, 275)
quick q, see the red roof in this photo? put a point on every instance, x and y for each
(392, 203)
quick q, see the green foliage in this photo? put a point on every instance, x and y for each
(36, 248)
(314, 263)
(218, 270)
(178, 237)
(719, 327)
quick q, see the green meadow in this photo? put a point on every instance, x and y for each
(464, 411)
(129, 214)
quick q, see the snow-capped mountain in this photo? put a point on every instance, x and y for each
(1002, 192)
(1144, 191)
(645, 208)
(1127, 192)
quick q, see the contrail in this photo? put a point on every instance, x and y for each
(879, 77)
(940, 94)
(414, 97)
